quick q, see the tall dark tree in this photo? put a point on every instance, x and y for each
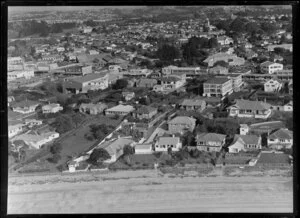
(167, 53)
(97, 155)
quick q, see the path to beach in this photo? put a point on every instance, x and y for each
(147, 194)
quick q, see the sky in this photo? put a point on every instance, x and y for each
(62, 8)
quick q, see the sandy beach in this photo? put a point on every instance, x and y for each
(147, 192)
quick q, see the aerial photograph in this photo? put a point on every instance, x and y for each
(150, 109)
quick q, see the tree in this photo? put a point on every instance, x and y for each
(120, 84)
(169, 150)
(128, 150)
(55, 158)
(221, 63)
(213, 43)
(56, 148)
(99, 154)
(167, 52)
(194, 153)
(188, 139)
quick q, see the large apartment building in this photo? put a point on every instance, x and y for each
(217, 87)
(270, 67)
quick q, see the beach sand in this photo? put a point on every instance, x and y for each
(147, 192)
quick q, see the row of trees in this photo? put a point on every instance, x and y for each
(41, 28)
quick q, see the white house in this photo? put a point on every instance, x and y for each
(36, 141)
(121, 110)
(51, 108)
(246, 108)
(13, 75)
(14, 130)
(281, 138)
(245, 143)
(272, 86)
(143, 148)
(24, 107)
(163, 143)
(33, 122)
(270, 67)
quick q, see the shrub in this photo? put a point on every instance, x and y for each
(54, 159)
(56, 148)
(157, 154)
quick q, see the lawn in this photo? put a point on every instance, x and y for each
(76, 143)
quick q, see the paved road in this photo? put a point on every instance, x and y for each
(147, 195)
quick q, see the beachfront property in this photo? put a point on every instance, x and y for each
(210, 141)
(181, 124)
(246, 108)
(35, 140)
(25, 106)
(165, 142)
(121, 110)
(94, 81)
(91, 108)
(269, 67)
(280, 138)
(217, 87)
(272, 86)
(51, 108)
(245, 143)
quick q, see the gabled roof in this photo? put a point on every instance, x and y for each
(117, 145)
(247, 139)
(168, 140)
(183, 120)
(281, 134)
(251, 105)
(121, 108)
(211, 137)
(266, 64)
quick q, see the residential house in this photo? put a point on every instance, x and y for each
(53, 58)
(115, 68)
(181, 124)
(217, 87)
(15, 129)
(93, 81)
(224, 40)
(115, 148)
(51, 108)
(193, 104)
(13, 75)
(210, 141)
(15, 67)
(246, 108)
(78, 70)
(280, 138)
(14, 60)
(93, 52)
(35, 140)
(145, 112)
(270, 67)
(138, 72)
(24, 107)
(174, 69)
(272, 86)
(260, 128)
(284, 46)
(121, 110)
(167, 84)
(146, 83)
(143, 148)
(218, 70)
(128, 95)
(245, 143)
(163, 143)
(92, 108)
(33, 122)
(60, 49)
(231, 59)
